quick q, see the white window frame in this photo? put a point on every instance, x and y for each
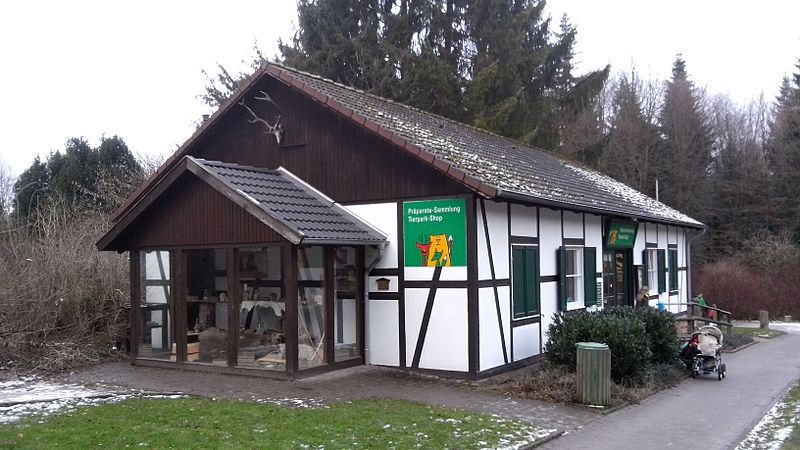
(651, 277)
(576, 278)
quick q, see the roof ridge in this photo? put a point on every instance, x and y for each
(412, 108)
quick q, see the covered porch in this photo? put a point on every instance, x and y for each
(240, 269)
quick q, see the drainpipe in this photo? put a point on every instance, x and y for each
(367, 269)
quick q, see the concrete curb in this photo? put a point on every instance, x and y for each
(734, 350)
(544, 440)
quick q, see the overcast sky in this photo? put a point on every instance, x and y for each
(93, 68)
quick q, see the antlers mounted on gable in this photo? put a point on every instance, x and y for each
(275, 129)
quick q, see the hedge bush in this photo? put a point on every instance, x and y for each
(635, 337)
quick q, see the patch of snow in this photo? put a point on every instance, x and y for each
(774, 428)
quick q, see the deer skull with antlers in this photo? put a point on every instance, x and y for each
(275, 129)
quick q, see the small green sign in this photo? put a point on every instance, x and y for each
(435, 233)
(621, 234)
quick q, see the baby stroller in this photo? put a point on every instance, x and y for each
(702, 352)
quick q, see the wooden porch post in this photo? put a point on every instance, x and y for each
(290, 323)
(234, 300)
(179, 328)
(330, 303)
(135, 314)
(360, 302)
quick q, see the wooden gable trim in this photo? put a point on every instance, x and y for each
(190, 164)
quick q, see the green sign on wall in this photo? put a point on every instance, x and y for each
(621, 234)
(435, 233)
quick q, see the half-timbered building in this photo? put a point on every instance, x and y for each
(307, 226)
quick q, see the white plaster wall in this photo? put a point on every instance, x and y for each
(573, 225)
(157, 265)
(426, 273)
(373, 284)
(447, 337)
(638, 246)
(651, 232)
(526, 341)
(497, 218)
(549, 306)
(662, 236)
(491, 350)
(415, 300)
(383, 329)
(382, 216)
(549, 241)
(523, 220)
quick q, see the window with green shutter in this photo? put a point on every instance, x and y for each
(673, 270)
(577, 277)
(525, 280)
(662, 271)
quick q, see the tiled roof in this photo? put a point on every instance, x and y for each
(311, 216)
(481, 159)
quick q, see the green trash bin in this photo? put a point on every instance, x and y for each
(593, 373)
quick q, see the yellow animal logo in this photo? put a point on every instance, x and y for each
(439, 250)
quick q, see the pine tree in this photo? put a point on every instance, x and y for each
(686, 157)
(630, 155)
(784, 156)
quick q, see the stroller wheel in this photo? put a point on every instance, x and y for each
(723, 370)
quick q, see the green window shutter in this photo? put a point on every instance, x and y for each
(662, 268)
(531, 280)
(562, 278)
(673, 270)
(590, 276)
(518, 281)
(646, 277)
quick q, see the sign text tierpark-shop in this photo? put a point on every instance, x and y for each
(435, 233)
(621, 234)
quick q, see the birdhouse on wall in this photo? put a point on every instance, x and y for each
(383, 284)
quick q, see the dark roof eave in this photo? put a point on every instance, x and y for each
(600, 211)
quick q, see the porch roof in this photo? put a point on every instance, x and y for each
(277, 198)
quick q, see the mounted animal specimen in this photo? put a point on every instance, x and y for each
(274, 128)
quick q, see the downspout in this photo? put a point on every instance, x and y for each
(367, 269)
(689, 263)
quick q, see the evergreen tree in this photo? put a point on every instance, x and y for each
(494, 63)
(686, 157)
(784, 156)
(630, 155)
(79, 175)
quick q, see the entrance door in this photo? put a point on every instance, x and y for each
(617, 277)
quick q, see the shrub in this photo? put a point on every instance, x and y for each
(620, 328)
(734, 286)
(659, 327)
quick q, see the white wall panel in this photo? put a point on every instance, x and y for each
(491, 350)
(415, 310)
(549, 306)
(382, 216)
(573, 225)
(638, 246)
(523, 220)
(549, 240)
(651, 232)
(383, 346)
(497, 218)
(662, 236)
(526, 341)
(373, 284)
(426, 273)
(446, 340)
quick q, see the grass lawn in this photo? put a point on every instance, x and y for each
(793, 398)
(206, 423)
(757, 332)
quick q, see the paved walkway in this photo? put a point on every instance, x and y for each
(704, 412)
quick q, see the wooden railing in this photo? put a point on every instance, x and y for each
(697, 316)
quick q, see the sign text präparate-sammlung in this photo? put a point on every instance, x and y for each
(435, 210)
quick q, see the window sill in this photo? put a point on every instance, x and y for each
(526, 320)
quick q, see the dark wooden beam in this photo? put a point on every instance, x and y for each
(360, 301)
(330, 303)
(135, 314)
(231, 259)
(290, 322)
